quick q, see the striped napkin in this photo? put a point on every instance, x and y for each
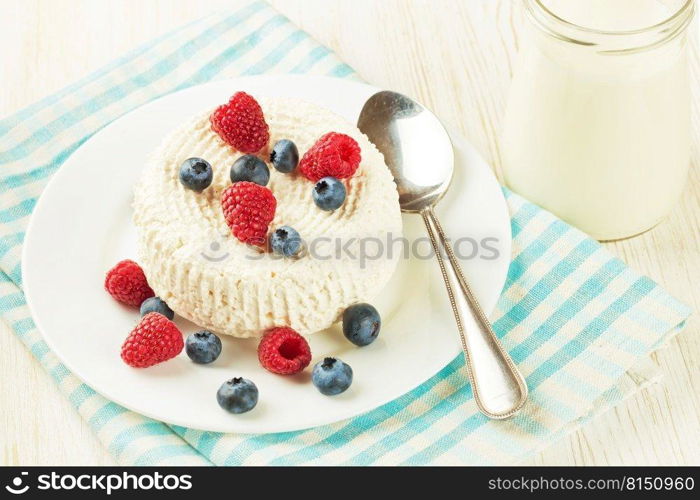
(579, 323)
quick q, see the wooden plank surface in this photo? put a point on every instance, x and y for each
(454, 55)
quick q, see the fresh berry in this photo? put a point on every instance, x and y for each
(331, 376)
(329, 193)
(154, 340)
(237, 395)
(335, 155)
(158, 305)
(127, 283)
(203, 347)
(248, 210)
(361, 324)
(241, 124)
(284, 351)
(196, 174)
(250, 168)
(286, 241)
(284, 156)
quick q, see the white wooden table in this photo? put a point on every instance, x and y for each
(454, 55)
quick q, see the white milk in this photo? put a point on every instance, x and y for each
(600, 138)
(610, 15)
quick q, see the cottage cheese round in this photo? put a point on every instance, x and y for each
(194, 263)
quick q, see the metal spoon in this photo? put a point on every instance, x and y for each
(419, 153)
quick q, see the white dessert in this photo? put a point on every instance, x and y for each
(194, 263)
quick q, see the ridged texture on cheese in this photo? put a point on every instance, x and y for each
(206, 275)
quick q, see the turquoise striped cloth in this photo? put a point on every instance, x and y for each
(579, 323)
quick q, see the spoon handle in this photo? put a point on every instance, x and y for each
(499, 388)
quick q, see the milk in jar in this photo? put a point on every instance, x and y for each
(597, 128)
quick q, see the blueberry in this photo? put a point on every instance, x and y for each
(361, 324)
(286, 241)
(329, 193)
(250, 168)
(158, 305)
(284, 156)
(237, 395)
(331, 376)
(196, 174)
(203, 347)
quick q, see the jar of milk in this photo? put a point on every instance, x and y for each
(597, 128)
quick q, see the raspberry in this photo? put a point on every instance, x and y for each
(284, 351)
(127, 283)
(333, 155)
(154, 340)
(248, 209)
(241, 124)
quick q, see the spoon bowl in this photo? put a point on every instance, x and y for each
(415, 145)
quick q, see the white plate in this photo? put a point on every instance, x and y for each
(82, 226)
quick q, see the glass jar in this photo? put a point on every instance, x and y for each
(597, 128)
